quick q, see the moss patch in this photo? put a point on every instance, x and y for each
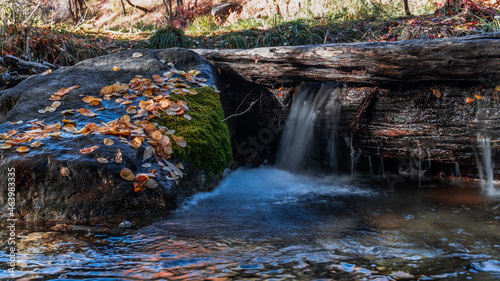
(208, 140)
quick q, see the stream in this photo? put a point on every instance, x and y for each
(269, 224)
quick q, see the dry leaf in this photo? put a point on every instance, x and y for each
(469, 100)
(118, 157)
(136, 55)
(187, 117)
(127, 174)
(22, 149)
(88, 150)
(436, 93)
(497, 88)
(36, 144)
(156, 135)
(87, 112)
(65, 172)
(151, 183)
(69, 111)
(102, 160)
(477, 97)
(108, 142)
(116, 68)
(180, 141)
(5, 146)
(148, 153)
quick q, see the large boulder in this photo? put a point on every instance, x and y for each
(172, 144)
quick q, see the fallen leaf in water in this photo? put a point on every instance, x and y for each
(102, 160)
(116, 68)
(70, 128)
(22, 149)
(36, 144)
(469, 100)
(88, 150)
(108, 142)
(65, 172)
(127, 174)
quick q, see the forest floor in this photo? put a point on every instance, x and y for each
(108, 26)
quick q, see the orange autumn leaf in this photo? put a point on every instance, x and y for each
(135, 142)
(36, 144)
(469, 100)
(87, 112)
(65, 172)
(157, 78)
(22, 149)
(477, 97)
(88, 150)
(5, 146)
(118, 157)
(116, 68)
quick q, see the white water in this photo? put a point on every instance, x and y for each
(298, 138)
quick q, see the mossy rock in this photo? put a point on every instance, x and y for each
(208, 140)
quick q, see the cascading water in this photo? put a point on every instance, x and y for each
(299, 142)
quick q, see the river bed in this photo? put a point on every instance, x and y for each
(268, 224)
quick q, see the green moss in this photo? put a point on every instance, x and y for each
(207, 137)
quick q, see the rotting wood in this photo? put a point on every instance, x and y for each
(469, 58)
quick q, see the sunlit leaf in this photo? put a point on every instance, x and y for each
(135, 142)
(148, 153)
(171, 64)
(102, 160)
(477, 97)
(88, 149)
(22, 149)
(116, 68)
(156, 135)
(180, 141)
(127, 174)
(497, 88)
(108, 142)
(136, 55)
(141, 177)
(36, 144)
(469, 100)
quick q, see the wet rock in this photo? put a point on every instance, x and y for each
(125, 224)
(57, 181)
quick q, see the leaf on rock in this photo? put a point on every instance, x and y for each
(5, 146)
(436, 93)
(65, 172)
(137, 55)
(180, 141)
(108, 142)
(36, 144)
(87, 112)
(469, 100)
(118, 157)
(22, 149)
(116, 68)
(151, 183)
(69, 111)
(148, 153)
(127, 174)
(477, 97)
(497, 88)
(88, 150)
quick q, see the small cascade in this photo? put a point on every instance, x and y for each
(457, 170)
(419, 166)
(299, 144)
(429, 172)
(485, 166)
(382, 168)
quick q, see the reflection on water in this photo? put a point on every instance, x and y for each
(267, 224)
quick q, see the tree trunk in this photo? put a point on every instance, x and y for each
(406, 7)
(470, 58)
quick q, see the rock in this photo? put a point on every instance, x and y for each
(222, 11)
(57, 181)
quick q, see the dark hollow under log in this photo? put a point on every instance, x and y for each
(470, 58)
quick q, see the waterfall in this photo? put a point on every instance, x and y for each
(299, 142)
(485, 166)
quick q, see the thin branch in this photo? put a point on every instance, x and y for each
(243, 112)
(33, 12)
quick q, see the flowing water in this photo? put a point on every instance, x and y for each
(269, 224)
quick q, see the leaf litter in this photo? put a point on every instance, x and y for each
(154, 102)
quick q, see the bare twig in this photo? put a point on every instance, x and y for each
(236, 111)
(33, 12)
(243, 112)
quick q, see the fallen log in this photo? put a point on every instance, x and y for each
(25, 67)
(469, 58)
(9, 80)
